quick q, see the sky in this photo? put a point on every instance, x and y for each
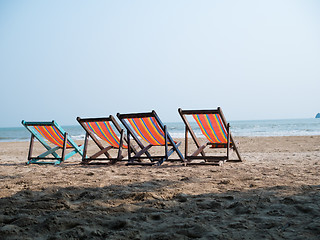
(63, 59)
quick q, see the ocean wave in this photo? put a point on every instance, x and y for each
(264, 128)
(78, 137)
(14, 139)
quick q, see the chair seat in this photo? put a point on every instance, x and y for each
(219, 145)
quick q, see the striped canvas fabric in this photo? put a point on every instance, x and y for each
(104, 131)
(212, 127)
(148, 129)
(52, 134)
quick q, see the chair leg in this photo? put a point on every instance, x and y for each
(64, 146)
(120, 147)
(186, 143)
(237, 152)
(85, 147)
(31, 147)
(234, 146)
(228, 142)
(166, 142)
(129, 146)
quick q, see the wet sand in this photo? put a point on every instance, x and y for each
(273, 194)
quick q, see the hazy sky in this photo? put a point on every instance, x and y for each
(63, 59)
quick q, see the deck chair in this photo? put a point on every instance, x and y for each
(46, 133)
(216, 130)
(103, 129)
(148, 127)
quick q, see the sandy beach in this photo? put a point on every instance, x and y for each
(273, 194)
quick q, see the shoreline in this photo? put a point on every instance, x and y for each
(272, 194)
(177, 138)
(260, 144)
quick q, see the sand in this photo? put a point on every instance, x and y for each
(273, 194)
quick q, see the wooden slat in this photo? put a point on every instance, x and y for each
(199, 150)
(145, 149)
(101, 119)
(220, 163)
(208, 157)
(135, 115)
(50, 151)
(140, 163)
(103, 151)
(206, 111)
(38, 123)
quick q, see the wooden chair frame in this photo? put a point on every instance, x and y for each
(103, 150)
(155, 160)
(42, 158)
(213, 160)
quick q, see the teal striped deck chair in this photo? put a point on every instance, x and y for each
(54, 139)
(215, 129)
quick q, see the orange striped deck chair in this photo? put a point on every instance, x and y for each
(54, 139)
(216, 131)
(103, 129)
(147, 127)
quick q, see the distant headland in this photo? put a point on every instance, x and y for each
(318, 115)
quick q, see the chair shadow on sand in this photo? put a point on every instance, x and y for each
(157, 209)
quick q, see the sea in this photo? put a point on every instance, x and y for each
(252, 128)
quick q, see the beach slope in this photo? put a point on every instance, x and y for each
(273, 194)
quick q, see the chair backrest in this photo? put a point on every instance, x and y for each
(145, 125)
(50, 131)
(211, 123)
(102, 127)
(148, 129)
(212, 127)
